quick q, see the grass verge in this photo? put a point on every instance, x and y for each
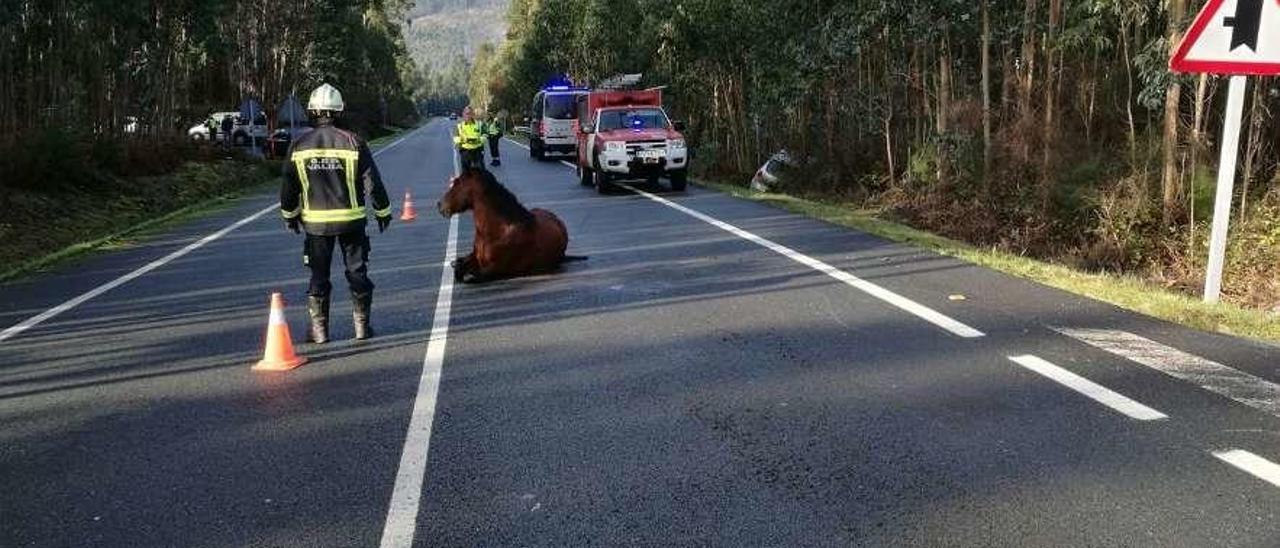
(75, 223)
(395, 133)
(1127, 292)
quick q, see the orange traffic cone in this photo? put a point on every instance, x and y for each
(409, 214)
(279, 355)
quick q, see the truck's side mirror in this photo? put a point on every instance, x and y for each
(588, 128)
(677, 125)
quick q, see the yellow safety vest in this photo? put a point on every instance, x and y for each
(469, 136)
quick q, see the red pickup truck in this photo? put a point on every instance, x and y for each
(627, 135)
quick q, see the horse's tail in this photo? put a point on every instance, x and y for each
(574, 258)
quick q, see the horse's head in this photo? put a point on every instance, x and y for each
(461, 195)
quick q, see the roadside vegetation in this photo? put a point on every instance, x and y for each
(1039, 128)
(98, 96)
(1125, 291)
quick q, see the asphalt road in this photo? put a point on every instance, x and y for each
(719, 373)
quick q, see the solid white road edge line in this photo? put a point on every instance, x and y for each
(923, 312)
(1220, 379)
(1090, 389)
(42, 317)
(406, 497)
(77, 301)
(1256, 466)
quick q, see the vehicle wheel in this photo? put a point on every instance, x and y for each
(537, 151)
(679, 180)
(584, 176)
(601, 180)
(239, 139)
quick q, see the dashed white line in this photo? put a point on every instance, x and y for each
(1210, 375)
(406, 496)
(923, 312)
(1090, 389)
(38, 319)
(1256, 466)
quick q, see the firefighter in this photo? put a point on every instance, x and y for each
(212, 127)
(328, 175)
(493, 132)
(470, 141)
(228, 124)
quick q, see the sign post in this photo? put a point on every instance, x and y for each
(1236, 38)
(1226, 185)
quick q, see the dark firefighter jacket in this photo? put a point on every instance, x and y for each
(326, 179)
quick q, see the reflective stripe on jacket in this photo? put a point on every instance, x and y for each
(326, 180)
(491, 129)
(469, 136)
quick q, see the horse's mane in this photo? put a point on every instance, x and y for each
(503, 201)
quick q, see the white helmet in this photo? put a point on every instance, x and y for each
(325, 98)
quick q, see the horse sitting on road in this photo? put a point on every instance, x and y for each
(510, 240)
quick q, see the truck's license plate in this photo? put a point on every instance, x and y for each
(650, 156)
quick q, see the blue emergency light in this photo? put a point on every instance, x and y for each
(559, 83)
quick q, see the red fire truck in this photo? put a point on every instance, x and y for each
(627, 135)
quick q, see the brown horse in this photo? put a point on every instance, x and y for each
(510, 240)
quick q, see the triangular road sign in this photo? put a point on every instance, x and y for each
(1232, 37)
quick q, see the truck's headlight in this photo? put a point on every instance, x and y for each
(615, 146)
(676, 144)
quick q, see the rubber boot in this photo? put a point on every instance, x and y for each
(318, 308)
(496, 162)
(362, 304)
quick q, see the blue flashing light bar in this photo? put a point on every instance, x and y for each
(561, 83)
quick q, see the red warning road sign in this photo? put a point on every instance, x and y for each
(1232, 37)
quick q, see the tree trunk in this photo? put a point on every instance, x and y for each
(944, 112)
(1052, 54)
(1027, 71)
(986, 96)
(1128, 99)
(1172, 114)
(1252, 146)
(1197, 142)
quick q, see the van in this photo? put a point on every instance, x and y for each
(553, 121)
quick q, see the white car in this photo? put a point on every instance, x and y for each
(200, 132)
(775, 173)
(553, 121)
(241, 130)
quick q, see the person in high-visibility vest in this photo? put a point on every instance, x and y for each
(470, 141)
(493, 132)
(328, 175)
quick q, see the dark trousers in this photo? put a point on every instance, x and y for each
(493, 147)
(472, 158)
(318, 255)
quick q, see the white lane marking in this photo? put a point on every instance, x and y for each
(396, 142)
(1090, 389)
(95, 292)
(516, 143)
(406, 497)
(923, 312)
(1256, 466)
(92, 293)
(1210, 375)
